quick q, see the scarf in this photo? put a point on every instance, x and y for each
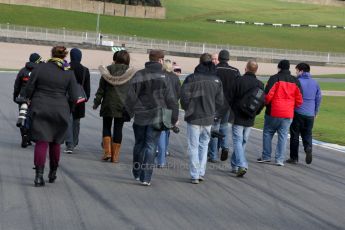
(60, 63)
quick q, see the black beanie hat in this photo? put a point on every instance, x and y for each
(35, 58)
(75, 55)
(224, 55)
(284, 64)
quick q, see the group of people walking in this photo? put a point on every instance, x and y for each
(215, 97)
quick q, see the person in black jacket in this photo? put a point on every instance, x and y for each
(148, 93)
(201, 98)
(227, 75)
(51, 86)
(18, 93)
(82, 75)
(243, 122)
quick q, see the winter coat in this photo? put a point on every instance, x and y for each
(149, 91)
(174, 83)
(113, 88)
(283, 95)
(311, 96)
(22, 80)
(202, 96)
(81, 72)
(227, 75)
(48, 88)
(242, 85)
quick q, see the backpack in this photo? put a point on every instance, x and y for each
(252, 101)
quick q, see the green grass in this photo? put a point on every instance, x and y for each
(5, 69)
(335, 86)
(186, 21)
(335, 76)
(330, 123)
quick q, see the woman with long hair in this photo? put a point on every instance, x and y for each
(51, 88)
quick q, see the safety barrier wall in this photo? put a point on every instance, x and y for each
(95, 7)
(178, 47)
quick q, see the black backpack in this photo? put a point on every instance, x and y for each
(252, 101)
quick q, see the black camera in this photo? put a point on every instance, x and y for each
(23, 110)
(175, 129)
(21, 100)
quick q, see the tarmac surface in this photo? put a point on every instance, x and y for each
(90, 194)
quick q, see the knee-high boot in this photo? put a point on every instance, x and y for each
(115, 152)
(39, 181)
(106, 148)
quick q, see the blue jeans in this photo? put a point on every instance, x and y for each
(146, 139)
(215, 143)
(272, 125)
(198, 138)
(72, 134)
(240, 135)
(162, 148)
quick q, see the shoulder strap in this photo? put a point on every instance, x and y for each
(84, 72)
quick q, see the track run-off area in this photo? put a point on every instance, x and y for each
(90, 194)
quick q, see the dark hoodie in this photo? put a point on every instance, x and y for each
(113, 88)
(202, 95)
(22, 79)
(82, 75)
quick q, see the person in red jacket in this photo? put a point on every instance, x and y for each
(283, 95)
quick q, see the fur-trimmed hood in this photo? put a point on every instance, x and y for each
(117, 74)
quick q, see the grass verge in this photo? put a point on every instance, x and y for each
(334, 76)
(333, 86)
(4, 69)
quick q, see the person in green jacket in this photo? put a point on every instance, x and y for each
(111, 94)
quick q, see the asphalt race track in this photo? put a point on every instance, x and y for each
(90, 194)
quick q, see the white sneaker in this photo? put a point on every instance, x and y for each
(146, 183)
(68, 151)
(279, 164)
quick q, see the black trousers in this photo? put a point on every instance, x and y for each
(301, 125)
(117, 131)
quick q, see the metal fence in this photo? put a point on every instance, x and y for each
(63, 35)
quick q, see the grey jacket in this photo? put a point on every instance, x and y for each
(149, 91)
(202, 96)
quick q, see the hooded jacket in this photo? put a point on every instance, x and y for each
(22, 79)
(113, 88)
(283, 95)
(202, 96)
(149, 91)
(82, 75)
(311, 96)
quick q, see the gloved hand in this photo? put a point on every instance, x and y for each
(94, 107)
